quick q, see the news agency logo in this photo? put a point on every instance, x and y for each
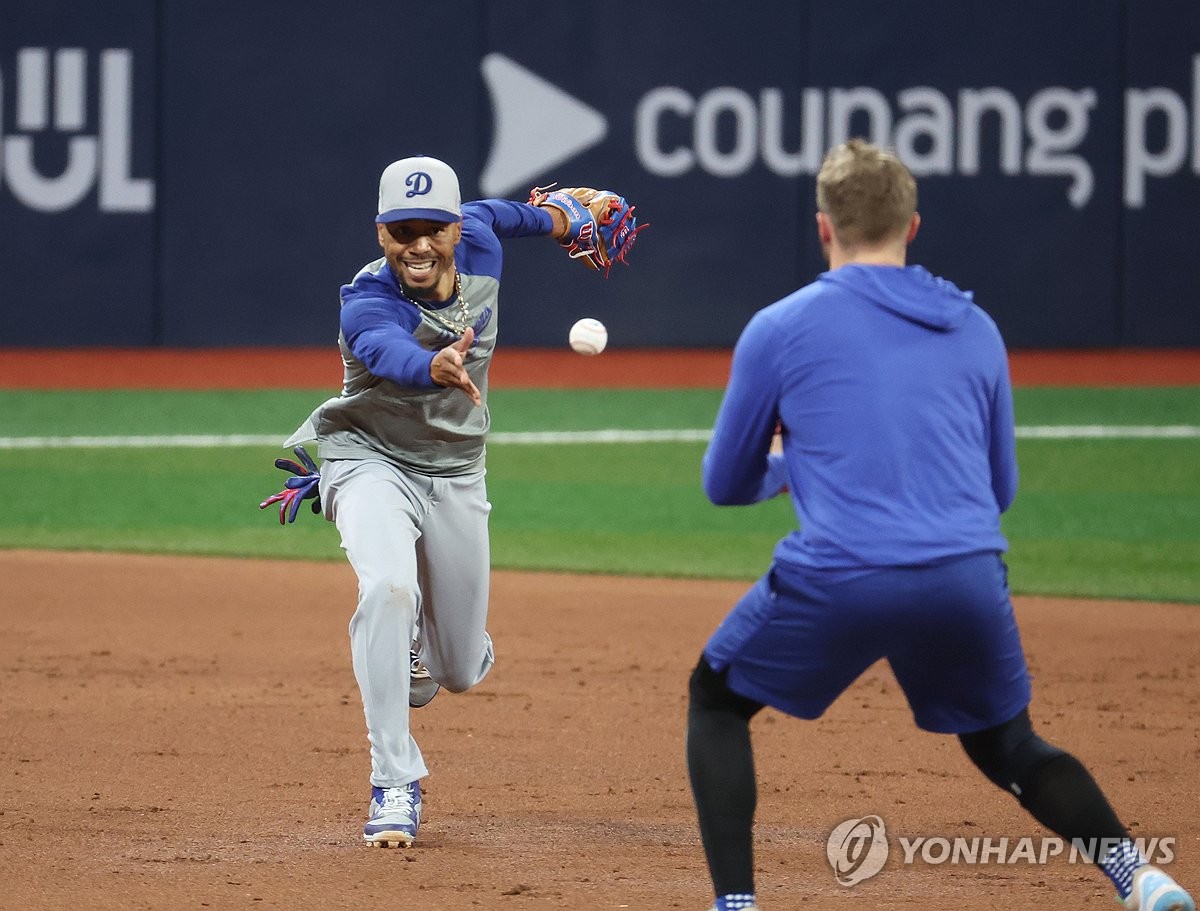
(858, 849)
(51, 94)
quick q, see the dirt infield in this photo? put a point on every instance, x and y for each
(186, 733)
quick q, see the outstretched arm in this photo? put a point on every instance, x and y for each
(386, 346)
(596, 227)
(389, 350)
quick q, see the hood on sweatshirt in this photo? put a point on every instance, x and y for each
(910, 292)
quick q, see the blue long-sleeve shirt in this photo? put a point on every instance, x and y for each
(378, 323)
(892, 391)
(390, 407)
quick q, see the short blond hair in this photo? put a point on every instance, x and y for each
(867, 193)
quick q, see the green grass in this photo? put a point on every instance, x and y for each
(136, 412)
(1082, 405)
(647, 516)
(1104, 518)
(1108, 518)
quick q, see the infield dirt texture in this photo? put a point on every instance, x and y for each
(187, 733)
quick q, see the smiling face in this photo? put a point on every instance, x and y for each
(421, 254)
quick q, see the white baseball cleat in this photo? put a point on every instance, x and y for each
(421, 687)
(1154, 890)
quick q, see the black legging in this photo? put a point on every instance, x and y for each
(721, 767)
(1052, 785)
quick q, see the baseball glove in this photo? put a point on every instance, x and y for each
(601, 226)
(305, 486)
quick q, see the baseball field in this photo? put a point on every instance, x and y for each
(182, 726)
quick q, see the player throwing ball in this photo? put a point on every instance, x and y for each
(890, 391)
(403, 446)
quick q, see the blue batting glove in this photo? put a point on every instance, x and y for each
(305, 486)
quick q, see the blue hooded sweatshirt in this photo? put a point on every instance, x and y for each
(891, 389)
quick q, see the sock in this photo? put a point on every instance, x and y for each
(734, 901)
(1119, 865)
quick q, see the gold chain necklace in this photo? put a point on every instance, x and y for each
(458, 325)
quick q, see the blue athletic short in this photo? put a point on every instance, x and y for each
(799, 638)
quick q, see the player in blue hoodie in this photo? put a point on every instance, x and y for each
(887, 391)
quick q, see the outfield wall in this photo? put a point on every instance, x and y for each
(187, 175)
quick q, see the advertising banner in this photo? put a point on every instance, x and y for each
(205, 175)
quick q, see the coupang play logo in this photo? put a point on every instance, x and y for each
(726, 131)
(51, 91)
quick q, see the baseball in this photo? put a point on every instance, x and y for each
(588, 336)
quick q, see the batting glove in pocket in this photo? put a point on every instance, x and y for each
(305, 486)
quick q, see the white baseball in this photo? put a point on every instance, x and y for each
(588, 336)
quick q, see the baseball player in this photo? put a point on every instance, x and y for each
(403, 446)
(889, 393)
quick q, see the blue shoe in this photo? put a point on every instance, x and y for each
(1153, 890)
(395, 816)
(421, 687)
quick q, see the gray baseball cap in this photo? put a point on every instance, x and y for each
(419, 187)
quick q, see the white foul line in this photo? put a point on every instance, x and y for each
(184, 441)
(1117, 432)
(553, 437)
